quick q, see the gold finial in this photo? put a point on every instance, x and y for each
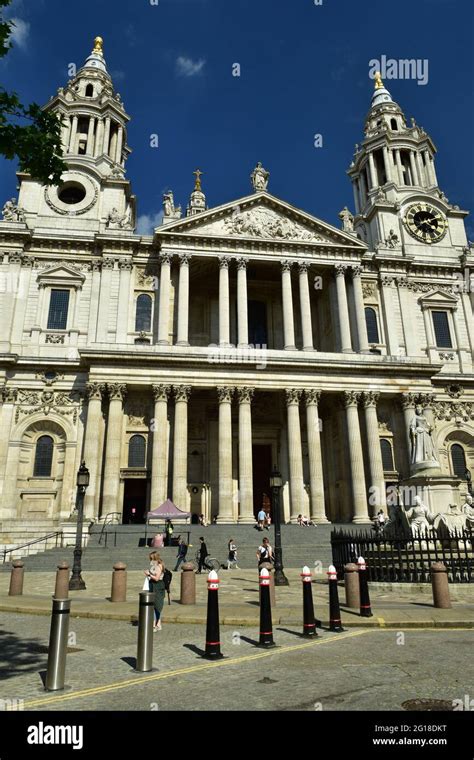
(98, 46)
(197, 185)
(378, 81)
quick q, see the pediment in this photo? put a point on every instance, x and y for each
(261, 216)
(438, 297)
(61, 273)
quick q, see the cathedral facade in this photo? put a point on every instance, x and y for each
(187, 363)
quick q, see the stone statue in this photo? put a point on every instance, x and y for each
(347, 220)
(118, 221)
(423, 454)
(259, 178)
(451, 522)
(419, 518)
(468, 510)
(170, 210)
(392, 240)
(12, 212)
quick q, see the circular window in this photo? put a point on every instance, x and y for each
(71, 193)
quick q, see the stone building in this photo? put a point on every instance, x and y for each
(185, 364)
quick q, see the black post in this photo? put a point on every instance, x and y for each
(335, 623)
(76, 582)
(309, 623)
(213, 644)
(280, 578)
(365, 609)
(266, 626)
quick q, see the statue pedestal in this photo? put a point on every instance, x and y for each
(436, 491)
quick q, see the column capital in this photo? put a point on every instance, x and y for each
(245, 395)
(184, 258)
(242, 262)
(340, 270)
(356, 271)
(303, 266)
(182, 392)
(165, 258)
(95, 391)
(9, 395)
(225, 394)
(370, 399)
(350, 399)
(116, 391)
(408, 400)
(293, 396)
(286, 265)
(126, 264)
(224, 262)
(386, 280)
(161, 392)
(312, 396)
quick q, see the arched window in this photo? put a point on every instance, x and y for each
(143, 313)
(372, 326)
(43, 457)
(136, 451)
(394, 125)
(458, 459)
(387, 455)
(90, 91)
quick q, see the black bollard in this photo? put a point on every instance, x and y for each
(309, 623)
(213, 644)
(266, 627)
(334, 609)
(146, 614)
(57, 650)
(365, 608)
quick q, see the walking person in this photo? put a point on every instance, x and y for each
(203, 553)
(232, 556)
(182, 551)
(265, 555)
(261, 519)
(155, 575)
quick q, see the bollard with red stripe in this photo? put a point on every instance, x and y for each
(365, 608)
(213, 644)
(266, 627)
(335, 623)
(309, 623)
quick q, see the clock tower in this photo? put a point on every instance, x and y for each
(399, 205)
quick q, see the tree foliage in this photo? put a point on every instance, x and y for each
(27, 132)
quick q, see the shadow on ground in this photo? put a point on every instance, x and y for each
(20, 655)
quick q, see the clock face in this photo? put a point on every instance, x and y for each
(425, 223)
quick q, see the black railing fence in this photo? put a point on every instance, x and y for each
(406, 559)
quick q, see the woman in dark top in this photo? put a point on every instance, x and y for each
(202, 555)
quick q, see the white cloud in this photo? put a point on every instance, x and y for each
(20, 32)
(186, 67)
(147, 222)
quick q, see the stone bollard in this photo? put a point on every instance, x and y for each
(271, 571)
(61, 590)
(440, 586)
(335, 623)
(351, 584)
(266, 626)
(365, 608)
(309, 623)
(119, 583)
(188, 584)
(16, 578)
(213, 643)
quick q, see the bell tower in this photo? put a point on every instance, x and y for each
(94, 145)
(398, 202)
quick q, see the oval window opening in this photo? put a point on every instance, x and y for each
(71, 193)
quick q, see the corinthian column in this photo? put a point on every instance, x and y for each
(117, 393)
(377, 496)
(305, 305)
(183, 300)
(359, 310)
(295, 455)
(224, 325)
(242, 307)
(288, 321)
(164, 305)
(316, 478)
(225, 454)
(180, 446)
(408, 401)
(343, 309)
(159, 464)
(245, 455)
(91, 454)
(354, 442)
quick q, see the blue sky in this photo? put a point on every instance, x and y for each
(304, 71)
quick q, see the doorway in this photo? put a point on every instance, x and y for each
(134, 501)
(257, 323)
(262, 468)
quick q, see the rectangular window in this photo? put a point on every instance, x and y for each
(58, 307)
(441, 329)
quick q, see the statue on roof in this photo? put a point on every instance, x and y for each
(259, 178)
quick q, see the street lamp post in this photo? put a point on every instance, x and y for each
(76, 583)
(275, 485)
(468, 477)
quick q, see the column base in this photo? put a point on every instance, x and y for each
(182, 343)
(320, 520)
(309, 348)
(162, 343)
(348, 351)
(365, 351)
(244, 345)
(290, 348)
(246, 520)
(225, 520)
(361, 520)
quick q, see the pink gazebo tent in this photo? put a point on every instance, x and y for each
(168, 511)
